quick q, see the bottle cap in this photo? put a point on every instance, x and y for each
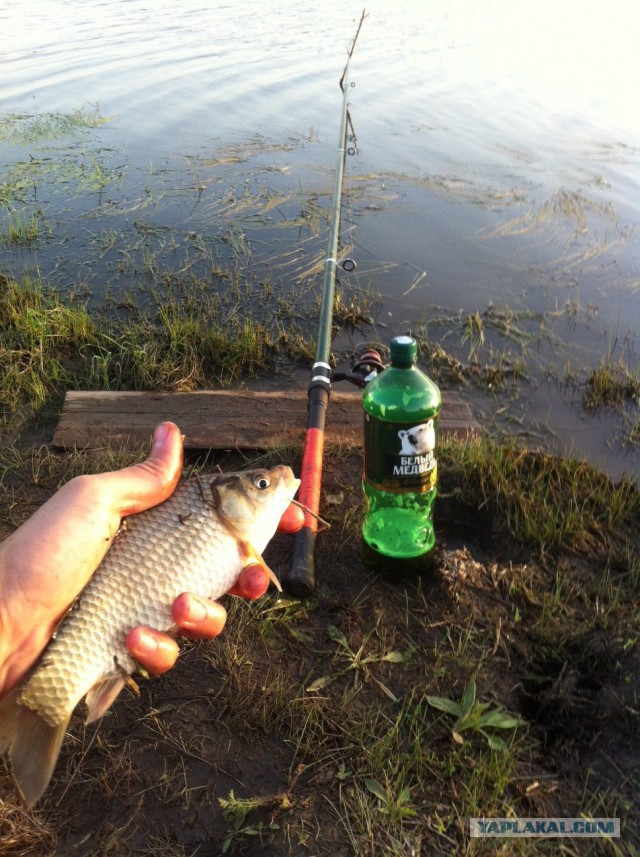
(404, 350)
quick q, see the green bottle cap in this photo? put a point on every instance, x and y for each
(404, 351)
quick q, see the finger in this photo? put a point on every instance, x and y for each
(198, 617)
(146, 484)
(252, 583)
(292, 520)
(156, 652)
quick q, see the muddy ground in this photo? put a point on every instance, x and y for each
(236, 718)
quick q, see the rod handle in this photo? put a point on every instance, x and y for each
(300, 579)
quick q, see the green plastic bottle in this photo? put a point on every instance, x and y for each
(401, 409)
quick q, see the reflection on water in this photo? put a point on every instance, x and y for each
(497, 169)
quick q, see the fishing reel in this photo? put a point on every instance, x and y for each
(367, 361)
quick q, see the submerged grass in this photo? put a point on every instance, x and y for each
(21, 229)
(612, 386)
(21, 128)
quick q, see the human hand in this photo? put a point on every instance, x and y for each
(201, 618)
(47, 561)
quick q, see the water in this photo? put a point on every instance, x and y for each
(496, 172)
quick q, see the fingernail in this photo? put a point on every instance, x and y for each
(160, 436)
(146, 643)
(197, 611)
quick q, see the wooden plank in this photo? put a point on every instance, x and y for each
(221, 419)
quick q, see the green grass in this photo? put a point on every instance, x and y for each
(21, 229)
(37, 334)
(543, 502)
(43, 127)
(612, 386)
(186, 339)
(191, 334)
(377, 717)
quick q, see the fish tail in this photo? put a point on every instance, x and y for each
(32, 745)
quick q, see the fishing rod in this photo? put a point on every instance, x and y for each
(300, 579)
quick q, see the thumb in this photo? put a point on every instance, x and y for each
(143, 485)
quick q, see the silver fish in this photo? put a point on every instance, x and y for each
(198, 540)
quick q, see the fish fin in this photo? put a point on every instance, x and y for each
(33, 746)
(249, 553)
(104, 693)
(272, 576)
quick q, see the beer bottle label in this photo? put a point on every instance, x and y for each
(400, 457)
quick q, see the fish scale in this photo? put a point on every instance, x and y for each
(198, 540)
(137, 586)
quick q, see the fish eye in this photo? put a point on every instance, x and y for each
(261, 482)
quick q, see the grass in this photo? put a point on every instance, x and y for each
(473, 334)
(44, 127)
(525, 490)
(22, 229)
(498, 351)
(191, 334)
(187, 339)
(612, 386)
(376, 718)
(234, 217)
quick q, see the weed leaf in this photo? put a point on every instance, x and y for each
(468, 697)
(301, 636)
(395, 657)
(376, 789)
(495, 743)
(336, 634)
(321, 682)
(499, 720)
(444, 704)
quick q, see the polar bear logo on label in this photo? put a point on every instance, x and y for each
(418, 440)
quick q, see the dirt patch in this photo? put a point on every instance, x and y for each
(306, 728)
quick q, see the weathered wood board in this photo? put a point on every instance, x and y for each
(221, 419)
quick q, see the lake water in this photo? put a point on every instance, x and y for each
(496, 171)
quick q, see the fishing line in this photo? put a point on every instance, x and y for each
(325, 524)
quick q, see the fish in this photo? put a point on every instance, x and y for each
(199, 540)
